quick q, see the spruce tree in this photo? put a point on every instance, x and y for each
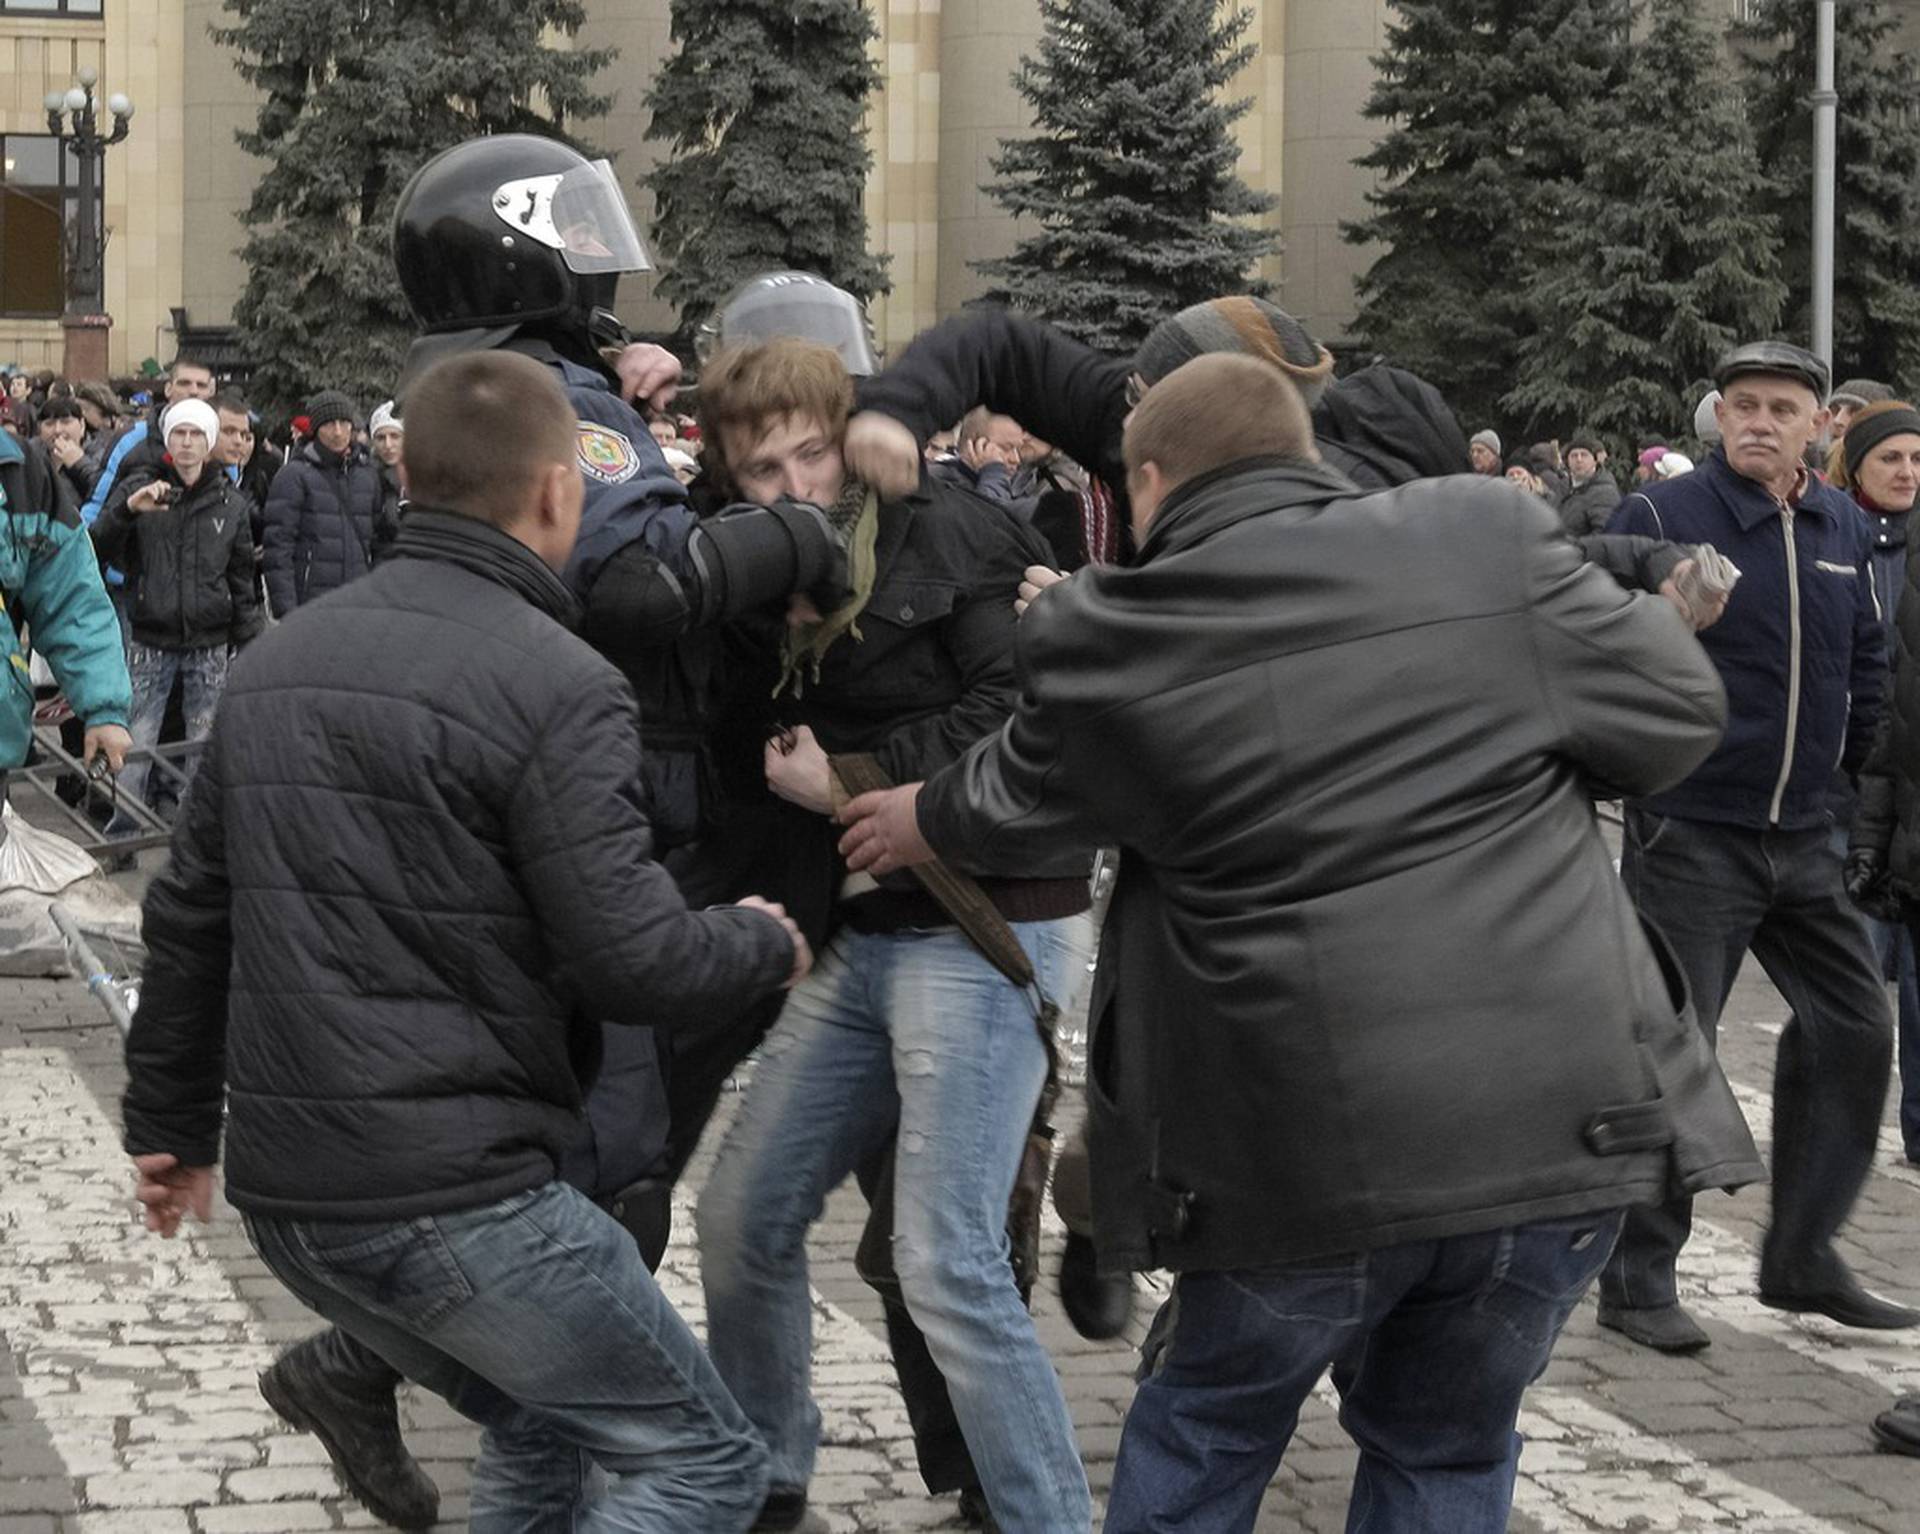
(1131, 176)
(358, 95)
(763, 109)
(1876, 302)
(1491, 105)
(1664, 255)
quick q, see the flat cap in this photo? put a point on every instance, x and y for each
(1782, 359)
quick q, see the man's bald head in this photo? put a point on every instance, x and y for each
(1216, 410)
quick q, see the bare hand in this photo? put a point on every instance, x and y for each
(883, 831)
(882, 454)
(797, 771)
(802, 954)
(980, 452)
(649, 375)
(109, 740)
(170, 1191)
(66, 452)
(1036, 580)
(801, 613)
(150, 497)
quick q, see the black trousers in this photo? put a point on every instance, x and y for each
(1715, 892)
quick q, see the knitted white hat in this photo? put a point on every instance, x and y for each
(196, 413)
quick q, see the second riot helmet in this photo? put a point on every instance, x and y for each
(798, 304)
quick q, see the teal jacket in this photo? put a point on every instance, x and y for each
(50, 584)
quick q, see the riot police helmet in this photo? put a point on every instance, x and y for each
(798, 304)
(511, 230)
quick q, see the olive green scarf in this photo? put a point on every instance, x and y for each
(855, 519)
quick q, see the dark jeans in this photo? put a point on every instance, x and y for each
(535, 1317)
(1894, 947)
(1432, 1344)
(1715, 892)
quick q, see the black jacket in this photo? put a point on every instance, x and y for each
(930, 674)
(319, 522)
(412, 869)
(1589, 507)
(189, 565)
(1368, 975)
(1379, 427)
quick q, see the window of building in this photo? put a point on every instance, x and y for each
(39, 203)
(51, 7)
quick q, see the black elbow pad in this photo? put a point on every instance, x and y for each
(749, 556)
(635, 603)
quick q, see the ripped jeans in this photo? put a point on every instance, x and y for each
(914, 1028)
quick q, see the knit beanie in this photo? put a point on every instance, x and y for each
(1650, 457)
(1585, 443)
(383, 417)
(1489, 439)
(190, 412)
(1860, 392)
(1251, 326)
(329, 405)
(1871, 427)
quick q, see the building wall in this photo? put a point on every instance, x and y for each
(219, 175)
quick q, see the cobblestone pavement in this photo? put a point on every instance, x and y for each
(128, 1404)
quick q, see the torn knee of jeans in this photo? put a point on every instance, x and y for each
(915, 1062)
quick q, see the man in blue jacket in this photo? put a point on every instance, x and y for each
(1739, 856)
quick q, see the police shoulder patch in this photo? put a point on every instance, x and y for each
(606, 456)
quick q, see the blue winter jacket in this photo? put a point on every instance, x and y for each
(1802, 649)
(50, 581)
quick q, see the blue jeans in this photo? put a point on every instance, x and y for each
(536, 1318)
(1432, 1344)
(913, 1028)
(202, 675)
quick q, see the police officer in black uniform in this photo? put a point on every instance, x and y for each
(517, 243)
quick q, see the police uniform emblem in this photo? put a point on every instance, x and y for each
(606, 455)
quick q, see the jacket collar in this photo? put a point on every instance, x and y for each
(1752, 503)
(486, 551)
(1211, 502)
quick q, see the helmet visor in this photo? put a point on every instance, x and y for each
(792, 304)
(581, 213)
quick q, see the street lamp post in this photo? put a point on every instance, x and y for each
(1826, 103)
(71, 118)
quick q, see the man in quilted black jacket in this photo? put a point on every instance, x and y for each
(411, 877)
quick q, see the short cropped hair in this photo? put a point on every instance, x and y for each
(482, 428)
(232, 402)
(750, 388)
(1217, 409)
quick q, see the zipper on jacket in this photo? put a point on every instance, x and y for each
(1793, 662)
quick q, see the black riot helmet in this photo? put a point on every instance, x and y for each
(511, 230)
(776, 304)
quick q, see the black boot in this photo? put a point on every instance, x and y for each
(323, 1390)
(1098, 1304)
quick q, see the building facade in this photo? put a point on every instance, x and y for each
(173, 191)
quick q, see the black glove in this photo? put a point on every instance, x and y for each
(1869, 885)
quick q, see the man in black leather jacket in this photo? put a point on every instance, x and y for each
(1349, 759)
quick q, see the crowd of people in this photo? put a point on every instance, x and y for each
(583, 746)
